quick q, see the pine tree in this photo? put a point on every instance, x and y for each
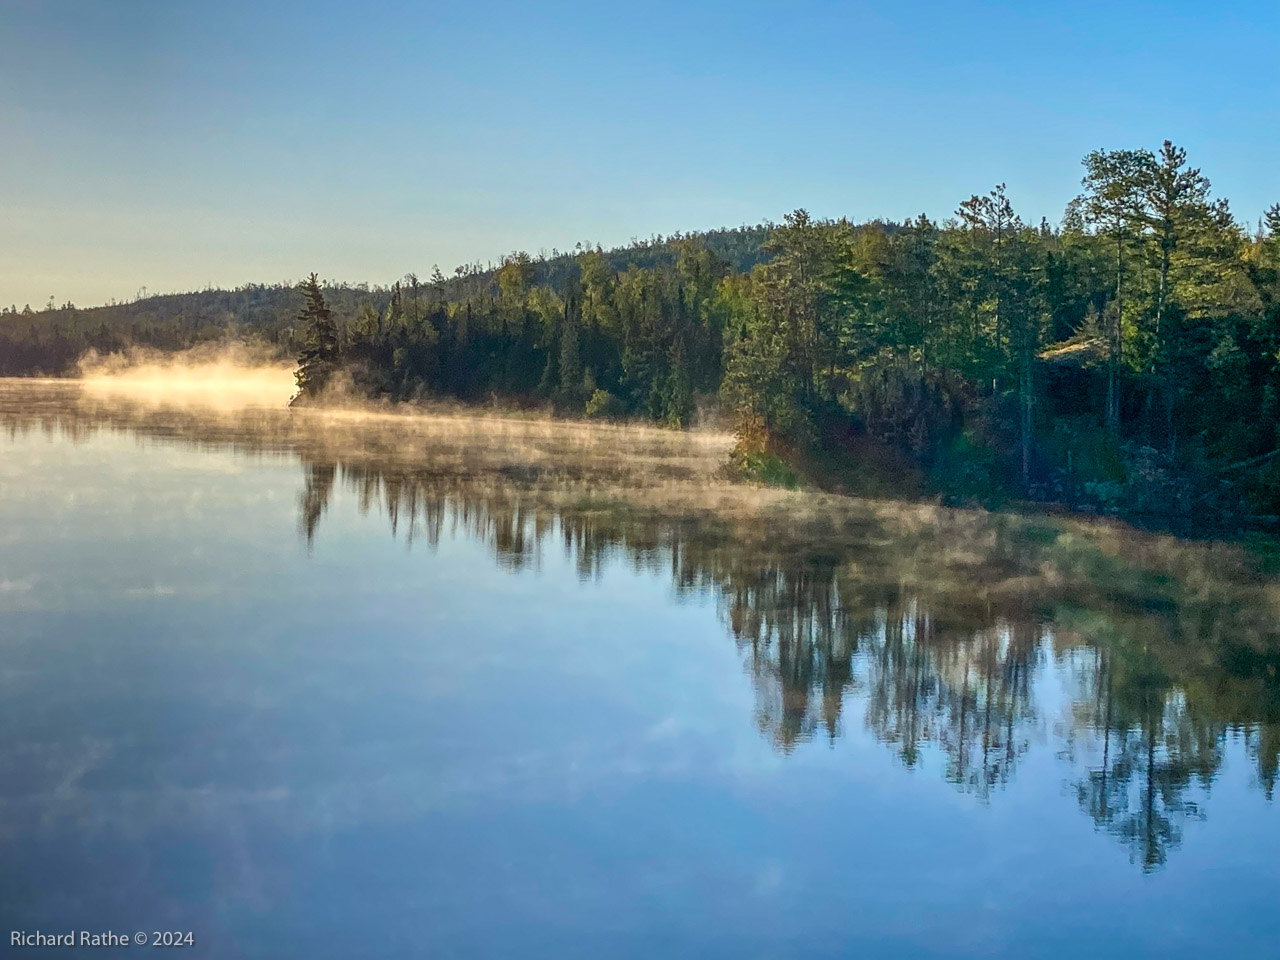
(319, 354)
(570, 357)
(1113, 202)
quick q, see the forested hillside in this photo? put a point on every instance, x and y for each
(1125, 358)
(48, 341)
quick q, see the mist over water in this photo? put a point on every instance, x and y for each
(220, 376)
(500, 686)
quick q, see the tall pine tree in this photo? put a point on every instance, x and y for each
(319, 354)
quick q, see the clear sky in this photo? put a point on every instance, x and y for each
(176, 145)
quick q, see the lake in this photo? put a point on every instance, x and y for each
(355, 684)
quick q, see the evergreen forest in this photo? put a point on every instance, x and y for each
(1125, 359)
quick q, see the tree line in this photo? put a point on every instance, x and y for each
(1126, 356)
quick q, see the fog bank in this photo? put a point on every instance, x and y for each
(219, 375)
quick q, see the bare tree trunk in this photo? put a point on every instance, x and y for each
(1113, 403)
(1026, 424)
(1160, 303)
(1113, 352)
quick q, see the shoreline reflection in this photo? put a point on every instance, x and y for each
(931, 628)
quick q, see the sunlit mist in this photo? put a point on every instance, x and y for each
(227, 376)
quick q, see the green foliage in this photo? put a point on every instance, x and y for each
(603, 405)
(769, 469)
(1088, 452)
(318, 357)
(970, 471)
(997, 355)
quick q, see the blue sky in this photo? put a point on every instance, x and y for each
(174, 144)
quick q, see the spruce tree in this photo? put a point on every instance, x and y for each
(318, 356)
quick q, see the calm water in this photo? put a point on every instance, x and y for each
(347, 690)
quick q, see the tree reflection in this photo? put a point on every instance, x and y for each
(941, 631)
(317, 488)
(1160, 736)
(965, 690)
(938, 668)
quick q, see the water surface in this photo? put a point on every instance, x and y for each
(328, 685)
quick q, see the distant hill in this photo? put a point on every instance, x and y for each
(49, 341)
